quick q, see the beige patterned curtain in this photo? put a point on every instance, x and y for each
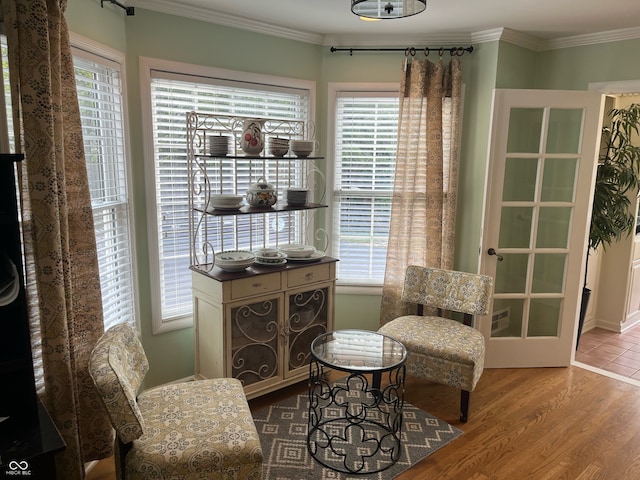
(423, 211)
(62, 269)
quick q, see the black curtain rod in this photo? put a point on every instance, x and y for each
(129, 10)
(453, 51)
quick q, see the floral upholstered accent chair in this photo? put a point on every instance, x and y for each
(191, 430)
(439, 349)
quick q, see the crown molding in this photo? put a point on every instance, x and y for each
(594, 38)
(180, 9)
(397, 40)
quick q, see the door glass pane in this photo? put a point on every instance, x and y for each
(515, 227)
(506, 320)
(558, 181)
(553, 227)
(511, 274)
(548, 273)
(525, 126)
(565, 127)
(544, 317)
(520, 179)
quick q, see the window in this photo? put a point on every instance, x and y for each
(100, 95)
(99, 83)
(365, 153)
(171, 96)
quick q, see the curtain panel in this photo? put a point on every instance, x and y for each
(425, 186)
(62, 269)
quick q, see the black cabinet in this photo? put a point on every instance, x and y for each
(28, 437)
(18, 401)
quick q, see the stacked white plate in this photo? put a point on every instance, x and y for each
(297, 196)
(302, 148)
(270, 257)
(234, 260)
(278, 147)
(219, 145)
(222, 201)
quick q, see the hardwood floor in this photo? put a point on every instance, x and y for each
(530, 424)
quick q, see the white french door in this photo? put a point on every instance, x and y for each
(542, 164)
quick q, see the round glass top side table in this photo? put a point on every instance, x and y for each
(356, 421)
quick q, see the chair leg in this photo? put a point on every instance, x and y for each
(464, 406)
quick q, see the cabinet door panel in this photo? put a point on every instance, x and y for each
(307, 317)
(255, 340)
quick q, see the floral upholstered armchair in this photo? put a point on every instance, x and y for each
(439, 349)
(191, 430)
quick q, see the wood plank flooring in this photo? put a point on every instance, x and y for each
(533, 424)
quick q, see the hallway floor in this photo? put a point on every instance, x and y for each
(615, 352)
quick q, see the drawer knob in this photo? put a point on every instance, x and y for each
(257, 285)
(309, 276)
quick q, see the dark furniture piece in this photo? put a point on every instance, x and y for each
(28, 437)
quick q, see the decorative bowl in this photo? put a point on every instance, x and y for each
(297, 250)
(234, 260)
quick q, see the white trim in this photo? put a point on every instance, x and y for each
(333, 91)
(594, 38)
(606, 373)
(616, 87)
(175, 7)
(178, 8)
(88, 48)
(375, 290)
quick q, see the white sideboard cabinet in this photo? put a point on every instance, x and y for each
(258, 326)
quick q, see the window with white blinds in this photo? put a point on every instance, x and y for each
(100, 96)
(366, 127)
(172, 95)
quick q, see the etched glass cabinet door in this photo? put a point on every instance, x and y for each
(255, 340)
(307, 317)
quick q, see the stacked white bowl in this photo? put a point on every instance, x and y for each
(222, 201)
(219, 145)
(294, 250)
(278, 147)
(270, 256)
(302, 148)
(234, 260)
(297, 196)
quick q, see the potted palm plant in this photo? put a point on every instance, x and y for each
(617, 182)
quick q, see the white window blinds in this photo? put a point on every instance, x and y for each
(99, 87)
(172, 95)
(365, 155)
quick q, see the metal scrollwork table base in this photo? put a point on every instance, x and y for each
(355, 423)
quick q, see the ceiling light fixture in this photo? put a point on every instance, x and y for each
(383, 9)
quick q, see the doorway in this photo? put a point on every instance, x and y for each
(610, 343)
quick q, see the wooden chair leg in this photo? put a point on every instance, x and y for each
(464, 406)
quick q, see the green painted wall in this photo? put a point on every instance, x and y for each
(161, 36)
(104, 25)
(573, 68)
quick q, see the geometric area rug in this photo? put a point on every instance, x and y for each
(282, 428)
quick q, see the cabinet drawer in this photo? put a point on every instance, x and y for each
(303, 276)
(250, 286)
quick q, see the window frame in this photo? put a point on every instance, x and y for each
(335, 89)
(147, 67)
(90, 50)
